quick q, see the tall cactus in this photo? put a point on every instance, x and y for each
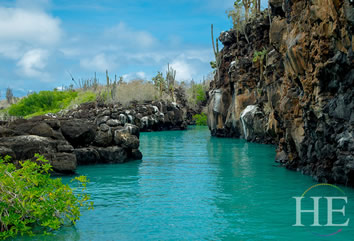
(171, 78)
(107, 77)
(216, 53)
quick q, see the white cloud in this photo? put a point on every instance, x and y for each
(184, 72)
(60, 88)
(100, 62)
(27, 35)
(33, 62)
(28, 26)
(32, 38)
(141, 75)
(11, 50)
(129, 37)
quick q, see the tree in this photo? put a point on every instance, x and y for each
(247, 4)
(256, 6)
(237, 17)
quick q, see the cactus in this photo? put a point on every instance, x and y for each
(9, 95)
(171, 78)
(216, 53)
(159, 83)
(107, 77)
(259, 56)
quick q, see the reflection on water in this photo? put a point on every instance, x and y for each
(191, 186)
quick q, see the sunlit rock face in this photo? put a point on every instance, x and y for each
(147, 116)
(301, 96)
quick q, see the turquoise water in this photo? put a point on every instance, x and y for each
(191, 186)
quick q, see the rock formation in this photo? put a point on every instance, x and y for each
(149, 116)
(67, 143)
(88, 134)
(299, 95)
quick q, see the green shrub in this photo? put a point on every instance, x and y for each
(200, 94)
(196, 94)
(31, 200)
(42, 102)
(200, 119)
(83, 97)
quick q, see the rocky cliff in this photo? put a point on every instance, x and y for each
(298, 91)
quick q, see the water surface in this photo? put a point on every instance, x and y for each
(191, 186)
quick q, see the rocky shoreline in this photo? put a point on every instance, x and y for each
(299, 95)
(89, 134)
(148, 116)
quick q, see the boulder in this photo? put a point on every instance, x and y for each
(112, 154)
(103, 138)
(136, 154)
(125, 139)
(87, 155)
(26, 146)
(64, 162)
(113, 122)
(253, 125)
(78, 132)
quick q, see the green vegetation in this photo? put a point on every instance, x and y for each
(217, 63)
(258, 56)
(171, 79)
(237, 17)
(197, 93)
(159, 82)
(42, 102)
(201, 119)
(112, 91)
(243, 10)
(83, 97)
(167, 84)
(49, 102)
(33, 202)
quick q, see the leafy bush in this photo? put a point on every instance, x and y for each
(200, 119)
(42, 102)
(31, 199)
(83, 97)
(196, 94)
(200, 94)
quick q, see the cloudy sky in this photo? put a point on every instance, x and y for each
(42, 41)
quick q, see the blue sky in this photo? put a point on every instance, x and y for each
(41, 41)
